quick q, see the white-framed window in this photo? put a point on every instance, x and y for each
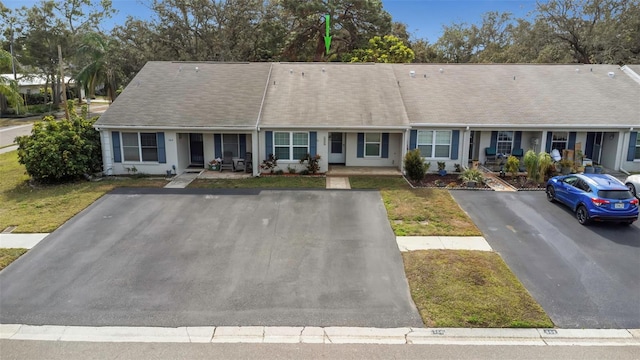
(505, 142)
(637, 156)
(559, 140)
(231, 142)
(139, 146)
(372, 144)
(434, 143)
(290, 145)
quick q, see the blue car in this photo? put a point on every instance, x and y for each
(594, 197)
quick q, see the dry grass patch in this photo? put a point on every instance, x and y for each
(43, 208)
(418, 212)
(265, 182)
(469, 289)
(7, 256)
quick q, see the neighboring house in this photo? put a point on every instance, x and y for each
(175, 115)
(32, 84)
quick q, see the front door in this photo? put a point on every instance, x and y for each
(336, 148)
(196, 149)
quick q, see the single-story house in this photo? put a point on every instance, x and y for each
(176, 115)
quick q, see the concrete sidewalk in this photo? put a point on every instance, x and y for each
(411, 243)
(325, 335)
(20, 241)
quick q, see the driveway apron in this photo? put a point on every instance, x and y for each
(584, 277)
(190, 257)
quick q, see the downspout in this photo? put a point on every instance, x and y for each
(256, 159)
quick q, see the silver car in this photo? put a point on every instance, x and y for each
(633, 183)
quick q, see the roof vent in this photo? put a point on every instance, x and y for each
(577, 70)
(425, 76)
(611, 74)
(441, 70)
(197, 69)
(412, 74)
(290, 71)
(303, 74)
(322, 69)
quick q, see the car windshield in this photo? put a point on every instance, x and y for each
(615, 194)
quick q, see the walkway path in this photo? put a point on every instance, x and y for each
(338, 182)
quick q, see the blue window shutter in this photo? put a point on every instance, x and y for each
(115, 139)
(268, 143)
(360, 145)
(455, 144)
(517, 140)
(588, 148)
(494, 140)
(549, 138)
(572, 140)
(162, 154)
(413, 139)
(313, 143)
(217, 144)
(385, 145)
(633, 138)
(243, 144)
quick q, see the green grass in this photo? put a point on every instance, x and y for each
(43, 208)
(418, 212)
(281, 182)
(454, 288)
(7, 256)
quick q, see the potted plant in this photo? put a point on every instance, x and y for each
(215, 164)
(597, 169)
(475, 163)
(471, 177)
(441, 166)
(565, 166)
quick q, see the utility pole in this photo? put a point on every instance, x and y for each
(13, 64)
(62, 87)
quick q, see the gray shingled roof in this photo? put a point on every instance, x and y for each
(175, 94)
(341, 96)
(520, 95)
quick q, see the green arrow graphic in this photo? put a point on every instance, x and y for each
(327, 37)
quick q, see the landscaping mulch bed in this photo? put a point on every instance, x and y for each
(522, 183)
(450, 181)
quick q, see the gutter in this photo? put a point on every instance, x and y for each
(181, 128)
(524, 126)
(330, 127)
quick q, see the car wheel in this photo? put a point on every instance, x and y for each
(632, 189)
(551, 193)
(582, 215)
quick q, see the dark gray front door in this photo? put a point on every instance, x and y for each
(197, 149)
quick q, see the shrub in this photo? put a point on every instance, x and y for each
(531, 164)
(512, 166)
(269, 163)
(414, 165)
(60, 151)
(471, 175)
(313, 163)
(544, 165)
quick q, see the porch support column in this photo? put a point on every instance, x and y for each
(255, 149)
(465, 141)
(405, 147)
(542, 143)
(107, 153)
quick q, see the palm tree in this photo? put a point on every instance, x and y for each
(8, 87)
(95, 49)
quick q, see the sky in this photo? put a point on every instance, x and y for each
(424, 18)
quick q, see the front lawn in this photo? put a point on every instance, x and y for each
(418, 212)
(7, 256)
(456, 288)
(43, 208)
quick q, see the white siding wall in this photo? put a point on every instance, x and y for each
(321, 148)
(628, 165)
(142, 167)
(395, 152)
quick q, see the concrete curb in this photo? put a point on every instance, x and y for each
(326, 335)
(21, 241)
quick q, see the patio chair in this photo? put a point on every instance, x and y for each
(227, 161)
(248, 162)
(490, 154)
(519, 153)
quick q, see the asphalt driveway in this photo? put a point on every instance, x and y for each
(584, 277)
(189, 257)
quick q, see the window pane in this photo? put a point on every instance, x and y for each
(282, 153)
(131, 153)
(281, 138)
(637, 152)
(505, 135)
(425, 150)
(443, 137)
(148, 139)
(442, 151)
(504, 148)
(372, 150)
(372, 137)
(299, 152)
(149, 154)
(300, 139)
(560, 136)
(130, 139)
(425, 137)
